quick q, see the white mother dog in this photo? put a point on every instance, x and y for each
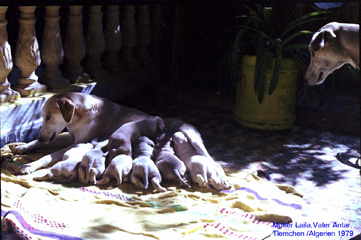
(334, 45)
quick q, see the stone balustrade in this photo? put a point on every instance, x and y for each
(110, 50)
(76, 45)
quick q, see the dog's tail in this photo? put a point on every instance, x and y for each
(145, 178)
(180, 179)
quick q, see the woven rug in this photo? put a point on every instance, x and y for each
(45, 210)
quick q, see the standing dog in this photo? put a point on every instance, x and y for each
(143, 165)
(87, 118)
(334, 45)
(120, 142)
(170, 166)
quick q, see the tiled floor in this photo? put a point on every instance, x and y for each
(302, 157)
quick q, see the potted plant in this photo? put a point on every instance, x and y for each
(267, 81)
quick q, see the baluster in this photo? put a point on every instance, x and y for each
(52, 53)
(157, 32)
(95, 45)
(6, 62)
(74, 46)
(129, 37)
(144, 35)
(27, 55)
(113, 39)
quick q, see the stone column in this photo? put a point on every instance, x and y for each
(74, 46)
(27, 55)
(6, 62)
(95, 45)
(52, 52)
(143, 34)
(157, 32)
(129, 37)
(113, 39)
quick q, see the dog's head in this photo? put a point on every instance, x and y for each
(327, 55)
(156, 127)
(57, 114)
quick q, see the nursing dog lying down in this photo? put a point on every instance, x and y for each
(90, 119)
(87, 118)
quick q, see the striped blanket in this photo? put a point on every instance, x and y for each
(44, 210)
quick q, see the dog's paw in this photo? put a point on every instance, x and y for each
(125, 175)
(83, 173)
(120, 176)
(157, 186)
(94, 175)
(136, 180)
(224, 184)
(184, 182)
(217, 178)
(215, 182)
(21, 149)
(103, 181)
(201, 181)
(47, 177)
(24, 169)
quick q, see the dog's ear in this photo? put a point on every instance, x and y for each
(316, 41)
(326, 36)
(161, 126)
(67, 108)
(329, 36)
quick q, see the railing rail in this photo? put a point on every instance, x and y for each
(76, 44)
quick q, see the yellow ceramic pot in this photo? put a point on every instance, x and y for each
(277, 111)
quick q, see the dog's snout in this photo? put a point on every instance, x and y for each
(46, 139)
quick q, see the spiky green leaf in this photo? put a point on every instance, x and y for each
(301, 20)
(292, 36)
(276, 68)
(259, 62)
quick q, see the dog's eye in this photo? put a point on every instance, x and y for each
(48, 117)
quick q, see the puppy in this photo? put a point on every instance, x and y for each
(170, 166)
(201, 169)
(194, 138)
(67, 169)
(119, 168)
(174, 125)
(92, 166)
(143, 165)
(86, 117)
(334, 45)
(120, 142)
